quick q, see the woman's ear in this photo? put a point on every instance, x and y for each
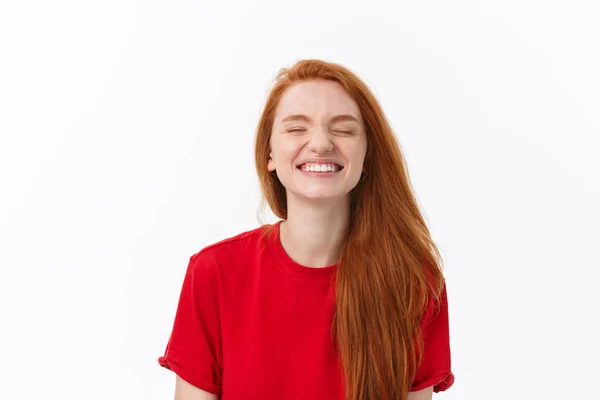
(271, 163)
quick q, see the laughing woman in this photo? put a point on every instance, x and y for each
(344, 297)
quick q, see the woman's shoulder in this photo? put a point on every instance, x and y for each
(232, 246)
(229, 259)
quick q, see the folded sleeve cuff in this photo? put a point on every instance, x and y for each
(180, 371)
(440, 382)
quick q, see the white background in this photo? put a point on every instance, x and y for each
(127, 134)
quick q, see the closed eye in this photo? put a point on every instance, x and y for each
(302, 130)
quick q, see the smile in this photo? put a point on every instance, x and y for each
(320, 168)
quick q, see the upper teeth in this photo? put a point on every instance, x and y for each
(312, 167)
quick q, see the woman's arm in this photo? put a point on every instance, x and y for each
(186, 391)
(425, 394)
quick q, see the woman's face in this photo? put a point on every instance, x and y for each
(318, 142)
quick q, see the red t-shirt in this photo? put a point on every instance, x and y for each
(253, 324)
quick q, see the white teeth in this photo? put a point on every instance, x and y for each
(320, 167)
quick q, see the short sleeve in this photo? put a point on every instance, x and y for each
(194, 351)
(435, 369)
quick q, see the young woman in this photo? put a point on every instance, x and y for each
(344, 298)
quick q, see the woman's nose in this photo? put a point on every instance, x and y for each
(320, 141)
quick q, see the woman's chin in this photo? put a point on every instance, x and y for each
(320, 195)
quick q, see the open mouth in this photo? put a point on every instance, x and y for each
(317, 167)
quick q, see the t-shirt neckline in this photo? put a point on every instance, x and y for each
(291, 267)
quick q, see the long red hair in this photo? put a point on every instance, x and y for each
(389, 267)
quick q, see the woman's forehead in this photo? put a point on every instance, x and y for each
(317, 98)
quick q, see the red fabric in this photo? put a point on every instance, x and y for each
(253, 324)
(435, 369)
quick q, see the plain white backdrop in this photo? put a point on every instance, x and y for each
(127, 132)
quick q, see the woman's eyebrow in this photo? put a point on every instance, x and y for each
(336, 118)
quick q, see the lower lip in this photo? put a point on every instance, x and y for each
(319, 174)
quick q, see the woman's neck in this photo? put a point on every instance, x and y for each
(313, 232)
